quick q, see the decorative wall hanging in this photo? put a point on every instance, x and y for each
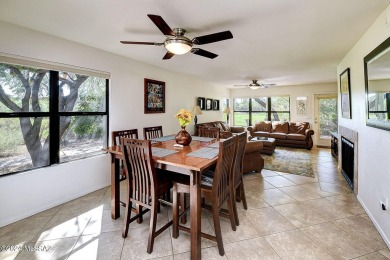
(345, 93)
(209, 104)
(202, 103)
(154, 100)
(301, 105)
(215, 104)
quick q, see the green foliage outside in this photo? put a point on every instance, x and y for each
(24, 89)
(328, 116)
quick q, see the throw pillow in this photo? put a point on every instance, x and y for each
(280, 127)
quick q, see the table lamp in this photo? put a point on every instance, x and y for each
(196, 111)
(227, 111)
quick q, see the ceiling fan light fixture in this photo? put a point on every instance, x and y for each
(178, 46)
(254, 87)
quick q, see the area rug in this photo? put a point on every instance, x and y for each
(289, 160)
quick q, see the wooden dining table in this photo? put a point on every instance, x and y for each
(178, 162)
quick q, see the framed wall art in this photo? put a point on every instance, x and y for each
(301, 105)
(202, 103)
(345, 93)
(154, 96)
(215, 104)
(209, 104)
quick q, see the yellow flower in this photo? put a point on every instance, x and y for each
(184, 117)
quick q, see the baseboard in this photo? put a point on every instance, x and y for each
(383, 235)
(323, 146)
(5, 222)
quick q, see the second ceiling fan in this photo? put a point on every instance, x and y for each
(176, 43)
(256, 85)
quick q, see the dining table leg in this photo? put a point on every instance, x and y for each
(115, 187)
(195, 213)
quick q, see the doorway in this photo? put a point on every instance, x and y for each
(325, 118)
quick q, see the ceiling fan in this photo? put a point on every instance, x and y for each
(256, 85)
(176, 43)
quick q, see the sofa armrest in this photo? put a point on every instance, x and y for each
(237, 129)
(251, 129)
(309, 132)
(253, 146)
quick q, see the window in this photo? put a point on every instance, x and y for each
(248, 111)
(49, 117)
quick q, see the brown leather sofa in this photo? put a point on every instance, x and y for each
(252, 159)
(226, 131)
(290, 134)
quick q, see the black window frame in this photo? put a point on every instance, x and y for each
(269, 111)
(54, 118)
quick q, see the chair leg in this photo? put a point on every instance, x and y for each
(234, 211)
(175, 225)
(139, 210)
(127, 219)
(217, 227)
(243, 197)
(183, 205)
(233, 216)
(152, 228)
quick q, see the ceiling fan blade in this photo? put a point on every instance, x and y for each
(142, 43)
(161, 24)
(215, 37)
(267, 85)
(240, 85)
(168, 55)
(204, 53)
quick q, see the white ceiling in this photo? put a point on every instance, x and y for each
(286, 42)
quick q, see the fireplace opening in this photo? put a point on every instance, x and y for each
(347, 160)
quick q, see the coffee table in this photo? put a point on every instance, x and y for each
(269, 144)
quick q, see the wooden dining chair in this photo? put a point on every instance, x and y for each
(205, 131)
(116, 141)
(215, 187)
(117, 135)
(237, 187)
(153, 132)
(145, 184)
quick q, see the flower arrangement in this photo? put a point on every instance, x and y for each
(184, 117)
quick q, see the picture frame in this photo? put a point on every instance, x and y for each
(209, 104)
(202, 103)
(154, 96)
(215, 104)
(301, 105)
(345, 93)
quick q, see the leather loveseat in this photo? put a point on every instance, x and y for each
(290, 134)
(226, 131)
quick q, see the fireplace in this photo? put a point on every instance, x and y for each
(347, 160)
(348, 156)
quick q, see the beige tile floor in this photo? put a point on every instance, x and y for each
(289, 217)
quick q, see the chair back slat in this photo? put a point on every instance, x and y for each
(205, 131)
(153, 132)
(223, 168)
(238, 160)
(117, 135)
(142, 174)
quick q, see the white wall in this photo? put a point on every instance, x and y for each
(374, 144)
(24, 194)
(293, 92)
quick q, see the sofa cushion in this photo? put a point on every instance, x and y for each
(261, 133)
(298, 127)
(278, 135)
(280, 127)
(264, 126)
(296, 137)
